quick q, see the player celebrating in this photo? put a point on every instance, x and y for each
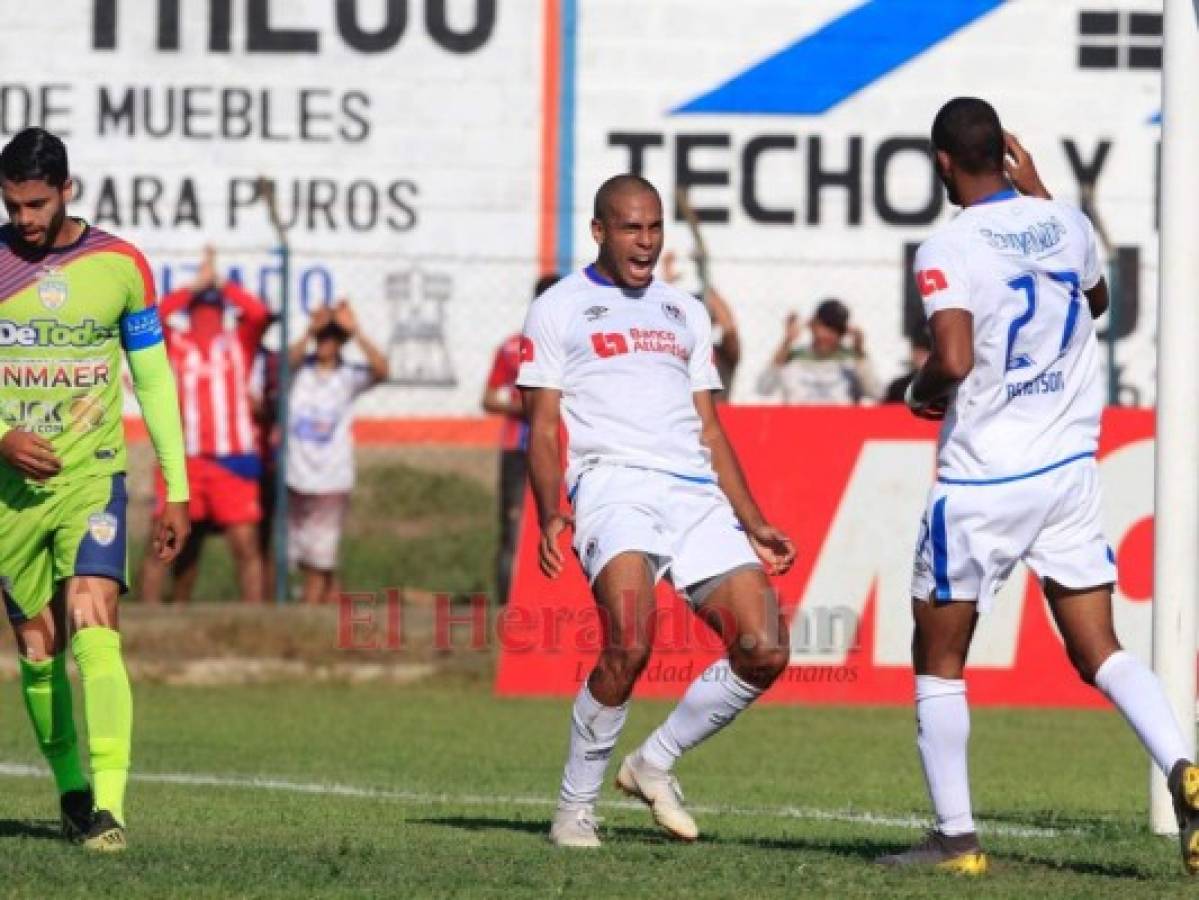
(656, 491)
(1014, 372)
(71, 297)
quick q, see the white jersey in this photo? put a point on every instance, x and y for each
(627, 364)
(320, 447)
(1033, 399)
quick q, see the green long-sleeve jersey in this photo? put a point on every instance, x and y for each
(66, 314)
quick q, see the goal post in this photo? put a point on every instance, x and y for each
(1176, 487)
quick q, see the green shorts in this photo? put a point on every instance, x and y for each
(49, 535)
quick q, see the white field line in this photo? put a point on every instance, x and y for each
(18, 770)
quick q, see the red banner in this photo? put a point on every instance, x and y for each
(849, 486)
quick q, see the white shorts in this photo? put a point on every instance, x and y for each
(314, 524)
(973, 534)
(685, 526)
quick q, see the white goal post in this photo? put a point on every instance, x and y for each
(1176, 489)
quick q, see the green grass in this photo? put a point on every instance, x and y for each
(1080, 772)
(408, 527)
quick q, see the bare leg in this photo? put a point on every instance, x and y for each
(243, 544)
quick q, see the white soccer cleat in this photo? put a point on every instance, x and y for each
(575, 826)
(661, 792)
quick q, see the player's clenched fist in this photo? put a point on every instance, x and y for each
(773, 547)
(30, 454)
(549, 554)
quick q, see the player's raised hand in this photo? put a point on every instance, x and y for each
(1018, 164)
(171, 529)
(773, 547)
(549, 554)
(30, 454)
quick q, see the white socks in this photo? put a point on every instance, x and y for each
(713, 700)
(594, 729)
(1137, 693)
(943, 730)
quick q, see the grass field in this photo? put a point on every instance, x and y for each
(310, 785)
(328, 790)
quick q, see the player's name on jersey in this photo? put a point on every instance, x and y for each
(38, 373)
(52, 333)
(1035, 239)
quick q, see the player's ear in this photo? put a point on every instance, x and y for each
(597, 231)
(68, 190)
(943, 163)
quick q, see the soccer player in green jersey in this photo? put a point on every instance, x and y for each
(71, 298)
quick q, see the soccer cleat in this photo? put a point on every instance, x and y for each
(575, 826)
(76, 807)
(660, 791)
(1184, 789)
(957, 853)
(106, 835)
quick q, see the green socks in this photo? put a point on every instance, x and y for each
(108, 708)
(47, 692)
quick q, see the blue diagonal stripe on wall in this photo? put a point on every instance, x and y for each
(849, 53)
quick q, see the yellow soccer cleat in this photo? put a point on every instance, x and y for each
(1184, 789)
(959, 854)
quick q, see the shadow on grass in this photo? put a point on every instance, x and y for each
(30, 829)
(863, 850)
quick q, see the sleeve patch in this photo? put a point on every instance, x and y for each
(527, 351)
(141, 329)
(929, 281)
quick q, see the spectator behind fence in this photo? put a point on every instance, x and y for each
(921, 346)
(212, 362)
(726, 341)
(320, 448)
(833, 369)
(502, 397)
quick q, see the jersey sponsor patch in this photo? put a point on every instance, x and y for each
(141, 329)
(929, 281)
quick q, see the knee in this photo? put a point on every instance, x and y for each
(759, 662)
(623, 665)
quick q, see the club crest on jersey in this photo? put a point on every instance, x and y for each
(103, 527)
(589, 553)
(595, 313)
(52, 288)
(672, 312)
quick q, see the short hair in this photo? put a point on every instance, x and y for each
(968, 130)
(35, 154)
(545, 282)
(616, 185)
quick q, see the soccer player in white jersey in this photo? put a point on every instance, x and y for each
(626, 361)
(1011, 287)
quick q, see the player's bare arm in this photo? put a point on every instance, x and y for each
(951, 360)
(30, 454)
(545, 475)
(772, 546)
